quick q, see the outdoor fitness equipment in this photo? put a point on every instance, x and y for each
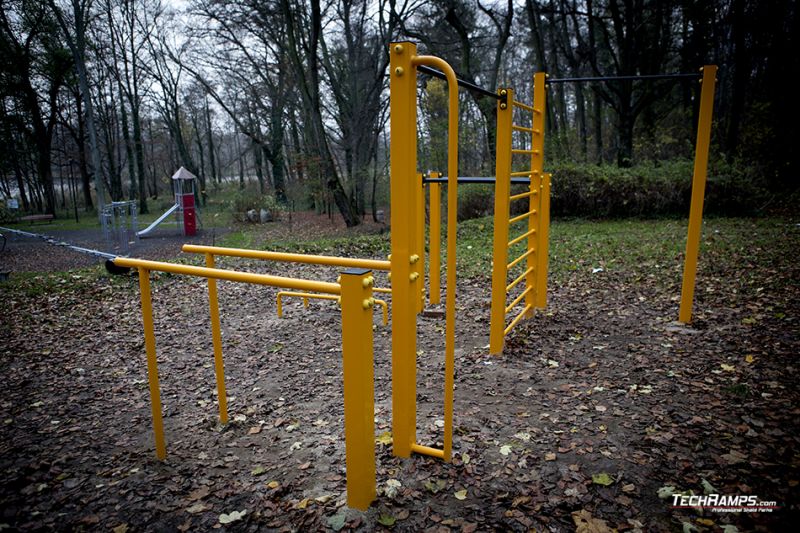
(183, 183)
(405, 267)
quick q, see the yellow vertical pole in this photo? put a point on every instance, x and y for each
(403, 169)
(502, 193)
(435, 232)
(543, 243)
(537, 179)
(152, 362)
(419, 266)
(216, 337)
(359, 395)
(698, 191)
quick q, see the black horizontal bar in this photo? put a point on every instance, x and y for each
(465, 84)
(623, 78)
(475, 179)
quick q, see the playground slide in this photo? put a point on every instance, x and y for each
(158, 221)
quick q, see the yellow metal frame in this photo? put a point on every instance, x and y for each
(311, 296)
(355, 294)
(435, 238)
(406, 237)
(698, 191)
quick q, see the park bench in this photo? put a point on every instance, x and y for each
(37, 218)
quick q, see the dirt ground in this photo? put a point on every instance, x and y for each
(599, 405)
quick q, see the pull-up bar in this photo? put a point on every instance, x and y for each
(476, 179)
(465, 84)
(624, 78)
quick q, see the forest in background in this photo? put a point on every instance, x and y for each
(288, 98)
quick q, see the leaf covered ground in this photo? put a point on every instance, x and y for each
(600, 408)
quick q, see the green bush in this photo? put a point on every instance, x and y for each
(251, 198)
(664, 189)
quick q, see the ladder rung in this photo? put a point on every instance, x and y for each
(518, 299)
(520, 278)
(520, 217)
(522, 173)
(517, 319)
(528, 233)
(521, 128)
(516, 151)
(523, 195)
(520, 258)
(427, 450)
(523, 106)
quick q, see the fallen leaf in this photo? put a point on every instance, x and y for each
(257, 471)
(705, 522)
(273, 484)
(336, 522)
(550, 456)
(749, 358)
(708, 488)
(253, 430)
(628, 488)
(505, 449)
(198, 494)
(602, 479)
(666, 492)
(465, 458)
(727, 368)
(302, 504)
(122, 528)
(197, 508)
(392, 486)
(586, 523)
(734, 457)
(384, 438)
(460, 494)
(232, 517)
(386, 520)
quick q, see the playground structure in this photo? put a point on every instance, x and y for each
(120, 224)
(183, 187)
(406, 267)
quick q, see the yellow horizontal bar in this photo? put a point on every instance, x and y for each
(528, 233)
(427, 450)
(518, 299)
(523, 106)
(520, 258)
(520, 278)
(520, 217)
(522, 173)
(380, 289)
(523, 195)
(521, 128)
(231, 275)
(517, 319)
(309, 295)
(515, 151)
(353, 262)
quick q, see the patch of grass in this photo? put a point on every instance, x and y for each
(237, 239)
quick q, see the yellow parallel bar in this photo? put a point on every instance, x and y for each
(152, 362)
(452, 206)
(528, 233)
(522, 216)
(521, 128)
(516, 151)
(517, 280)
(523, 195)
(403, 169)
(522, 173)
(544, 244)
(306, 295)
(518, 299)
(230, 275)
(419, 266)
(216, 337)
(382, 290)
(351, 262)
(698, 192)
(427, 450)
(520, 258)
(502, 189)
(519, 317)
(435, 232)
(535, 201)
(359, 401)
(523, 106)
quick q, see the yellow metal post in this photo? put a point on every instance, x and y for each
(698, 191)
(502, 195)
(359, 396)
(419, 266)
(544, 244)
(435, 236)
(216, 336)
(537, 178)
(403, 169)
(152, 362)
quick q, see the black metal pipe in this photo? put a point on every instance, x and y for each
(476, 179)
(623, 78)
(465, 84)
